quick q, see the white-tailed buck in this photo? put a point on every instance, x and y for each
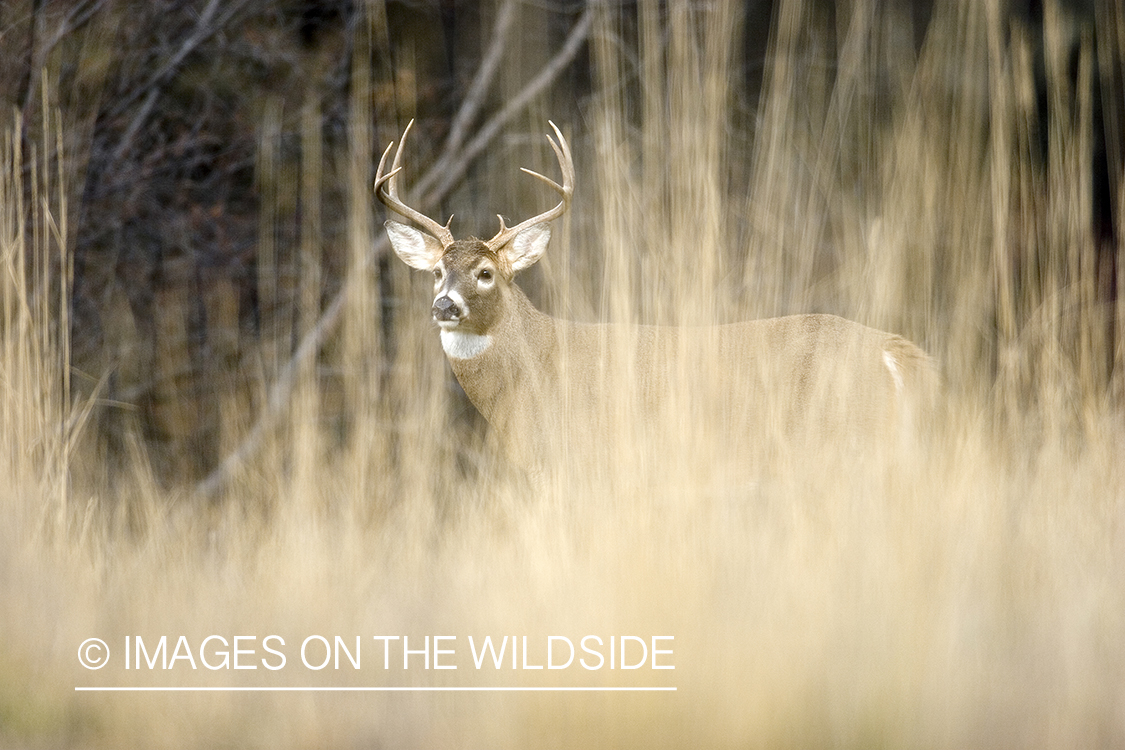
(540, 381)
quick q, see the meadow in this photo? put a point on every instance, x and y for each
(965, 589)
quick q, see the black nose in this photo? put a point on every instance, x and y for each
(446, 309)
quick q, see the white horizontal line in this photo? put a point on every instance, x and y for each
(384, 689)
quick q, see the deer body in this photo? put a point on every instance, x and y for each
(540, 381)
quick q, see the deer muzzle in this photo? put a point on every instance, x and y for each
(445, 310)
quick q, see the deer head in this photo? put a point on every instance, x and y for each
(471, 276)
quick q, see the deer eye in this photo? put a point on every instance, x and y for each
(437, 274)
(485, 275)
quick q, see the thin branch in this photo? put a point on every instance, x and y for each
(452, 170)
(78, 15)
(280, 392)
(474, 97)
(204, 30)
(135, 124)
(75, 18)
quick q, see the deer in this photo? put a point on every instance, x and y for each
(539, 380)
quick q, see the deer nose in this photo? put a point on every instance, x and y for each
(446, 309)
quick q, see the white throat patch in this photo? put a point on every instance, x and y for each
(461, 345)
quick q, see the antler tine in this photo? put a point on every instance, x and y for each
(386, 188)
(566, 163)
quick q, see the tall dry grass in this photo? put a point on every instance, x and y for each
(964, 591)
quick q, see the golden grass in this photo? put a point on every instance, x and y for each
(964, 591)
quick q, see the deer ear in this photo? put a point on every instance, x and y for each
(417, 249)
(528, 246)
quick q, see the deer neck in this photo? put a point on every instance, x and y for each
(509, 363)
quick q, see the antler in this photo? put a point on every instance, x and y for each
(562, 152)
(389, 195)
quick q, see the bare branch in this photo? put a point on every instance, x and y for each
(474, 97)
(444, 179)
(281, 391)
(204, 30)
(74, 19)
